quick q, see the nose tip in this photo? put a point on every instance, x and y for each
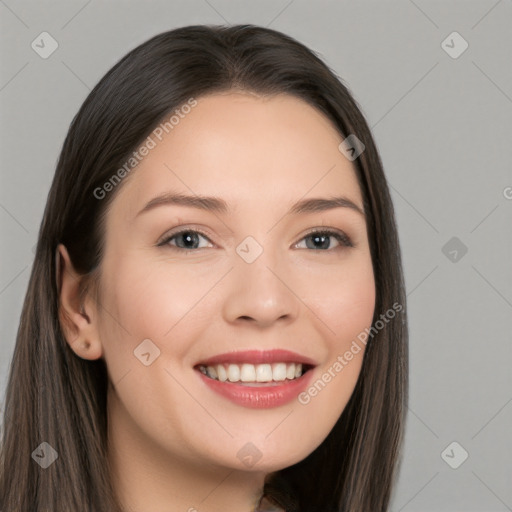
(259, 295)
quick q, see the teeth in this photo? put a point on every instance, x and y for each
(212, 372)
(263, 373)
(253, 373)
(279, 371)
(221, 372)
(248, 373)
(233, 373)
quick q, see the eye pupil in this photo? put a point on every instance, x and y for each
(190, 237)
(323, 239)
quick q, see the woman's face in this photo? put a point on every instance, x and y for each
(246, 276)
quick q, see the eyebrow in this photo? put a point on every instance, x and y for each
(217, 205)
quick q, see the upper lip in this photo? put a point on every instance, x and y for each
(257, 357)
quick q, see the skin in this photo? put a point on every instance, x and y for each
(173, 442)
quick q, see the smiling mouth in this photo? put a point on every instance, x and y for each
(255, 374)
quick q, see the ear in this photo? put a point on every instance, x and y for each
(78, 312)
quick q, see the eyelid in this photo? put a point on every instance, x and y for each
(165, 239)
(346, 241)
(342, 238)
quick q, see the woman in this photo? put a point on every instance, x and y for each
(215, 318)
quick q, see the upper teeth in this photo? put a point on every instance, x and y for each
(253, 372)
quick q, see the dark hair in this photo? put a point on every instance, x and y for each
(54, 396)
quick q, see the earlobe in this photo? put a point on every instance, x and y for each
(77, 313)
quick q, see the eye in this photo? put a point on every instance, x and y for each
(186, 239)
(321, 239)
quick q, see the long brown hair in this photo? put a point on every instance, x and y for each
(56, 397)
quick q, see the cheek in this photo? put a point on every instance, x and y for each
(151, 300)
(345, 304)
(345, 300)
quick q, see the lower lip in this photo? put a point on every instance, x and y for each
(261, 397)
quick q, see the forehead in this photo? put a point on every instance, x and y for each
(247, 149)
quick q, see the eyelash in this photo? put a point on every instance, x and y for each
(341, 237)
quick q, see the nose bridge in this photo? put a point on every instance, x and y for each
(258, 289)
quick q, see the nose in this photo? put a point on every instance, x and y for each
(261, 293)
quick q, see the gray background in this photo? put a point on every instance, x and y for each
(443, 126)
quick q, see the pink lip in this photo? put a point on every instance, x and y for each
(263, 397)
(258, 357)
